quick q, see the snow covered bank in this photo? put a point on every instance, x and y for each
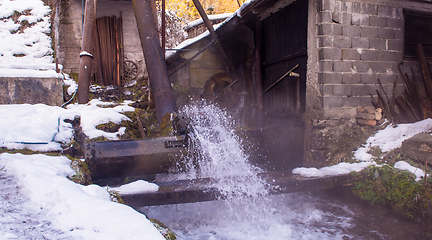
(83, 212)
(41, 128)
(26, 48)
(387, 139)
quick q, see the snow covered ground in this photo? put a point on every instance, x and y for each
(25, 49)
(38, 201)
(387, 139)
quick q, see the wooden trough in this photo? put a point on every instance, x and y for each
(129, 158)
(200, 190)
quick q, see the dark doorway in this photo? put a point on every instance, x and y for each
(284, 46)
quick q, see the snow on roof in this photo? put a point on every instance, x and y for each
(191, 41)
(211, 18)
(228, 17)
(25, 52)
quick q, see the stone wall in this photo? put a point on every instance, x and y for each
(31, 90)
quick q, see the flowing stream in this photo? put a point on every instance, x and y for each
(246, 210)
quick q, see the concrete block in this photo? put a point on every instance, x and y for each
(368, 78)
(360, 90)
(398, 12)
(321, 79)
(361, 67)
(392, 67)
(385, 11)
(326, 66)
(365, 101)
(379, 44)
(327, 90)
(342, 90)
(386, 33)
(331, 78)
(386, 56)
(325, 41)
(395, 23)
(325, 17)
(19, 90)
(351, 31)
(337, 29)
(325, 5)
(360, 43)
(350, 78)
(395, 44)
(342, 66)
(399, 34)
(346, 7)
(332, 101)
(350, 54)
(355, 7)
(342, 42)
(360, 19)
(330, 54)
(369, 55)
(379, 67)
(376, 21)
(388, 78)
(369, 9)
(325, 29)
(368, 32)
(341, 17)
(351, 101)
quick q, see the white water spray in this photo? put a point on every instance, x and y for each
(216, 152)
(246, 210)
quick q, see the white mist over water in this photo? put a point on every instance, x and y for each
(246, 210)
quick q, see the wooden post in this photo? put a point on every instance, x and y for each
(86, 55)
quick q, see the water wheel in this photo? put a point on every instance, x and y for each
(130, 70)
(223, 89)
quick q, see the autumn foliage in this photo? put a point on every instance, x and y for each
(186, 10)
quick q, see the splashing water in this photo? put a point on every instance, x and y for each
(246, 210)
(216, 152)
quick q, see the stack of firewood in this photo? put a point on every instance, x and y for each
(415, 103)
(369, 116)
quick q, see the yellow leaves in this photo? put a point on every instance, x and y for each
(186, 10)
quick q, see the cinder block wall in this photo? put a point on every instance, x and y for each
(356, 42)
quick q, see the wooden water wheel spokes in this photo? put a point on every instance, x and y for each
(130, 70)
(221, 88)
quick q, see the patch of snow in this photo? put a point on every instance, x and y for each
(41, 127)
(387, 139)
(402, 165)
(25, 52)
(392, 137)
(82, 212)
(210, 17)
(139, 186)
(73, 86)
(339, 169)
